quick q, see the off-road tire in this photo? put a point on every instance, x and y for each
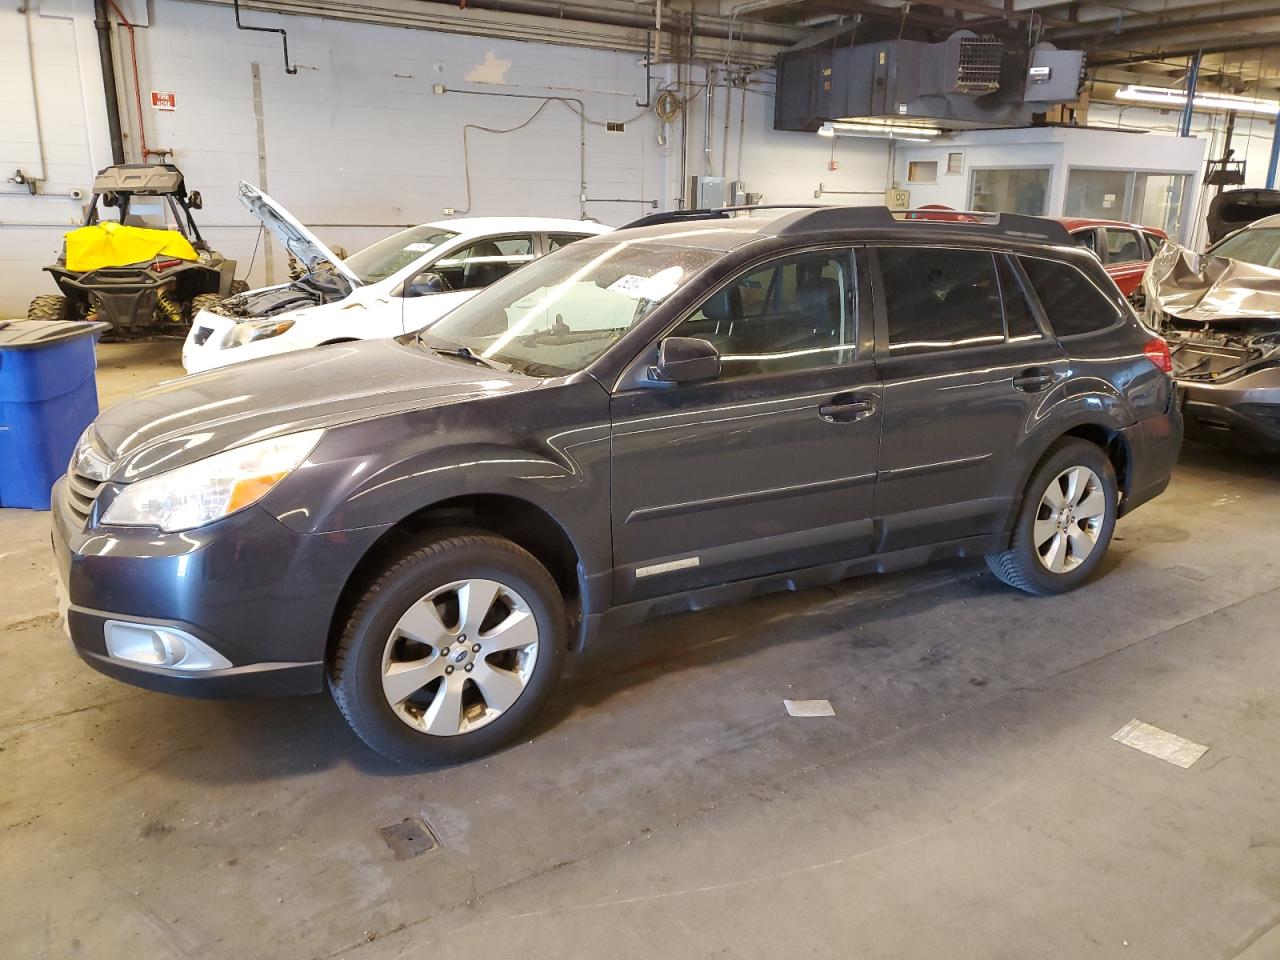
(203, 301)
(1020, 565)
(355, 667)
(48, 306)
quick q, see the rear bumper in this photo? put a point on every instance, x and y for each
(1243, 413)
(1154, 445)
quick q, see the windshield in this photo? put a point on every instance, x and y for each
(1260, 246)
(558, 314)
(382, 259)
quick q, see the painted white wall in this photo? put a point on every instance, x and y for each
(358, 142)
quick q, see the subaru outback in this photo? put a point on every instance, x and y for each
(688, 412)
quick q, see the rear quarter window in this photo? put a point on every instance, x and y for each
(1071, 302)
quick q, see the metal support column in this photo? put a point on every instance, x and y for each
(1274, 166)
(1193, 79)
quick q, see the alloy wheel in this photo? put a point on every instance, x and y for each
(459, 657)
(1069, 519)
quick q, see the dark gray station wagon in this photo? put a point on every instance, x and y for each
(688, 412)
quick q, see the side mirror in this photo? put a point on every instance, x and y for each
(685, 359)
(194, 200)
(425, 283)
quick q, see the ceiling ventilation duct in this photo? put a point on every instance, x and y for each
(967, 80)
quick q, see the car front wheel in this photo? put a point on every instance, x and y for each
(451, 652)
(1065, 523)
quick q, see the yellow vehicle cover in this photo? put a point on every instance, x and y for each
(111, 244)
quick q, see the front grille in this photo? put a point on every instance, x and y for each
(201, 335)
(81, 495)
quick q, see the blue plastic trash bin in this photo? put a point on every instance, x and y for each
(48, 395)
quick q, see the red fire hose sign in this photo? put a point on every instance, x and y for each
(164, 100)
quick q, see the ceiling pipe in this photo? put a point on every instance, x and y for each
(106, 57)
(674, 21)
(1257, 41)
(1132, 29)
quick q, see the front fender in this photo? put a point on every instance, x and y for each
(550, 450)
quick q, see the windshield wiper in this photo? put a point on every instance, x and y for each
(466, 353)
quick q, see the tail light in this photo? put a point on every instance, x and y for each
(1157, 351)
(162, 265)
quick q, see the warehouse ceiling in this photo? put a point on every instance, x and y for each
(1128, 41)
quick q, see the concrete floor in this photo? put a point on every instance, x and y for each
(965, 801)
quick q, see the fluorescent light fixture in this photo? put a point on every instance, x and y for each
(1177, 100)
(878, 131)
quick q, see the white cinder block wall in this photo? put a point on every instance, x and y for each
(358, 142)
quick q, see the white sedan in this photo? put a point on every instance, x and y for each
(398, 285)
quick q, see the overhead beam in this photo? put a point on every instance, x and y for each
(1137, 26)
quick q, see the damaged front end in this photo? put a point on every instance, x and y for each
(1221, 318)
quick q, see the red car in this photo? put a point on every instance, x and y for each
(1125, 249)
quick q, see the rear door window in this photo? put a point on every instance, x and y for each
(1071, 302)
(557, 240)
(1123, 246)
(484, 261)
(938, 299)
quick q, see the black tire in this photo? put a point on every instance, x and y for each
(238, 286)
(203, 301)
(48, 306)
(1021, 565)
(355, 669)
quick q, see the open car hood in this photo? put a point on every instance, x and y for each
(1206, 289)
(297, 239)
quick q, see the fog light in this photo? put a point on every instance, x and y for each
(154, 645)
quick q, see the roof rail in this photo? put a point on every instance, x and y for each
(714, 213)
(1014, 225)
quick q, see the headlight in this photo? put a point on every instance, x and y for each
(243, 333)
(214, 487)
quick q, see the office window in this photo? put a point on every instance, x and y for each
(1013, 190)
(922, 171)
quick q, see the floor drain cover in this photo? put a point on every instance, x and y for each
(409, 837)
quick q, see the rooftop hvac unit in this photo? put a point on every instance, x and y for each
(967, 80)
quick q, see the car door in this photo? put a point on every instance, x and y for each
(771, 465)
(462, 271)
(965, 363)
(1126, 257)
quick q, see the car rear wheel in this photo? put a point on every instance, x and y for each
(1065, 523)
(451, 652)
(47, 306)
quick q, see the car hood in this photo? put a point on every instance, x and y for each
(1202, 288)
(184, 420)
(297, 239)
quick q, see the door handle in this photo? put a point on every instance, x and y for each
(845, 408)
(1033, 380)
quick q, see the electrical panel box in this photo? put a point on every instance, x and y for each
(706, 192)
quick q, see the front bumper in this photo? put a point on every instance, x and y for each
(248, 587)
(1242, 413)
